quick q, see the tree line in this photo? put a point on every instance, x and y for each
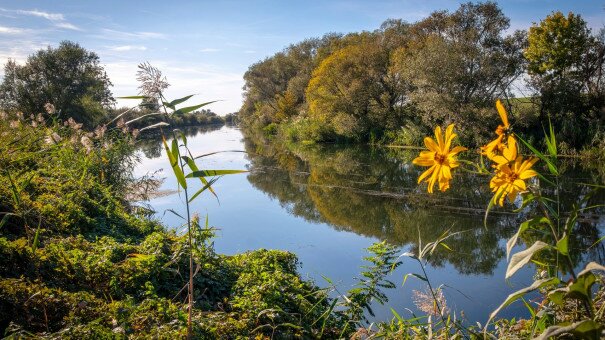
(72, 79)
(396, 83)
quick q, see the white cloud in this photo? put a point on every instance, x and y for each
(57, 19)
(110, 34)
(68, 26)
(249, 51)
(209, 82)
(45, 15)
(128, 48)
(207, 50)
(18, 50)
(10, 30)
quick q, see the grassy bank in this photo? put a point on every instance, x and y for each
(78, 260)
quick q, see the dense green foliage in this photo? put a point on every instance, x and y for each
(78, 261)
(394, 84)
(566, 65)
(69, 77)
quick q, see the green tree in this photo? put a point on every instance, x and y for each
(285, 74)
(69, 77)
(353, 91)
(459, 63)
(565, 62)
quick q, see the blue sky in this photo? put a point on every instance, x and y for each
(205, 47)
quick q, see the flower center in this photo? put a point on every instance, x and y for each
(512, 177)
(439, 158)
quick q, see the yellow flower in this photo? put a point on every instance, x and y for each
(440, 158)
(510, 178)
(491, 149)
(507, 154)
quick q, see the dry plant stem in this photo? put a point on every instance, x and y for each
(432, 293)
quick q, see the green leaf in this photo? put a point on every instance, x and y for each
(15, 192)
(208, 185)
(210, 173)
(397, 316)
(585, 329)
(490, 205)
(191, 163)
(175, 213)
(520, 293)
(184, 138)
(551, 166)
(521, 258)
(192, 108)
(36, 239)
(597, 242)
(216, 152)
(178, 172)
(133, 97)
(551, 141)
(143, 116)
(562, 245)
(524, 226)
(176, 102)
(174, 149)
(418, 276)
(5, 219)
(581, 287)
(139, 257)
(557, 296)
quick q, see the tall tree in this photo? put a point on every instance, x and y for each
(459, 63)
(353, 91)
(565, 62)
(69, 77)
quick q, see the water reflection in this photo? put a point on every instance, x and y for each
(150, 144)
(327, 203)
(373, 192)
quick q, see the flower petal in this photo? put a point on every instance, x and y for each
(426, 173)
(439, 138)
(457, 149)
(434, 177)
(519, 183)
(449, 136)
(430, 144)
(444, 184)
(502, 113)
(423, 161)
(445, 171)
(527, 174)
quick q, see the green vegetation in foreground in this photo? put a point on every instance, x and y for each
(78, 261)
(394, 84)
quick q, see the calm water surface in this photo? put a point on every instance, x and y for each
(326, 204)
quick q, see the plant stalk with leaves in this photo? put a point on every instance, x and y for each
(180, 157)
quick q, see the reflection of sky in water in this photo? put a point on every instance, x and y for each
(249, 219)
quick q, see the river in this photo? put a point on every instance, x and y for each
(327, 204)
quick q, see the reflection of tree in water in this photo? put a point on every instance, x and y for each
(373, 192)
(150, 144)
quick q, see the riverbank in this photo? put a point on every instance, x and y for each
(79, 261)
